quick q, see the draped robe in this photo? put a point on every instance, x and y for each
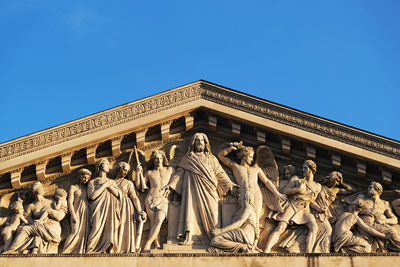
(200, 180)
(127, 230)
(105, 218)
(76, 241)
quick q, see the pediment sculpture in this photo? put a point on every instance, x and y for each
(200, 168)
(105, 211)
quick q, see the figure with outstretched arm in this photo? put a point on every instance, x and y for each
(247, 175)
(301, 192)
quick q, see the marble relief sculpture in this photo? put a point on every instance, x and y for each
(241, 234)
(42, 234)
(344, 240)
(14, 222)
(289, 171)
(302, 194)
(129, 202)
(378, 214)
(270, 208)
(200, 181)
(105, 211)
(324, 209)
(78, 206)
(247, 176)
(158, 176)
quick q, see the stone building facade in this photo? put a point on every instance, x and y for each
(201, 169)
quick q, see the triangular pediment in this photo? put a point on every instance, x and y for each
(173, 115)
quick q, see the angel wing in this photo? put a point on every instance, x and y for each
(266, 161)
(174, 154)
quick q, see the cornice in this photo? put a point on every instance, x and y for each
(99, 121)
(190, 93)
(301, 120)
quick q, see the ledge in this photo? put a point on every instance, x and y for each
(201, 259)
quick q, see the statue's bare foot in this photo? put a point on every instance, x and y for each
(157, 244)
(257, 250)
(187, 240)
(146, 248)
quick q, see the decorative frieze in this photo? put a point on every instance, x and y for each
(98, 122)
(225, 187)
(189, 93)
(301, 120)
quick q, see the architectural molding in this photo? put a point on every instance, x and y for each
(191, 93)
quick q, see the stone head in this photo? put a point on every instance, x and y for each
(122, 169)
(158, 159)
(246, 154)
(309, 168)
(84, 175)
(200, 143)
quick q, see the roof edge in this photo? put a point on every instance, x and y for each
(200, 89)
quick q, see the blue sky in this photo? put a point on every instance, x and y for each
(62, 60)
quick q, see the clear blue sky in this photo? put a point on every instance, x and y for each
(62, 60)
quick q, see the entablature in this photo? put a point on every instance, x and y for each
(166, 116)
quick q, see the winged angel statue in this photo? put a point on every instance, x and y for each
(248, 175)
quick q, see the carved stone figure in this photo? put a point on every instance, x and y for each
(323, 207)
(16, 220)
(199, 179)
(288, 172)
(78, 206)
(344, 240)
(105, 209)
(128, 203)
(247, 176)
(240, 235)
(301, 193)
(378, 214)
(158, 175)
(43, 233)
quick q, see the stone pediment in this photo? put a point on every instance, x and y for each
(61, 156)
(177, 107)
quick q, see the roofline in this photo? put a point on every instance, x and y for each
(191, 92)
(304, 112)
